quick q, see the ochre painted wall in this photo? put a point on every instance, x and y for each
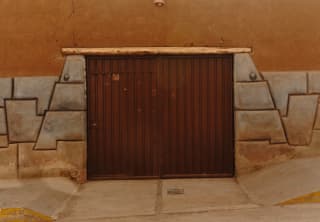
(285, 34)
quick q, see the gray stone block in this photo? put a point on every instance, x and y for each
(3, 141)
(314, 81)
(68, 97)
(254, 96)
(35, 87)
(69, 160)
(243, 67)
(255, 155)
(3, 123)
(300, 119)
(74, 69)
(23, 123)
(259, 125)
(8, 162)
(5, 89)
(61, 126)
(284, 83)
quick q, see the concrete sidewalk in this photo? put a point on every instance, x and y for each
(298, 213)
(114, 199)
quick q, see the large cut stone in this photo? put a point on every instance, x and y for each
(314, 81)
(301, 116)
(244, 67)
(253, 96)
(68, 97)
(23, 123)
(5, 89)
(259, 125)
(252, 156)
(68, 160)
(8, 162)
(284, 83)
(61, 126)
(3, 141)
(35, 87)
(3, 124)
(74, 69)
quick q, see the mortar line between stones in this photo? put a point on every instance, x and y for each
(314, 121)
(307, 82)
(6, 120)
(12, 87)
(271, 94)
(18, 165)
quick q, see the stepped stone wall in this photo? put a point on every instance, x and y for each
(43, 120)
(43, 124)
(276, 115)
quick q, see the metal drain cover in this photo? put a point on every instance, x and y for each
(175, 191)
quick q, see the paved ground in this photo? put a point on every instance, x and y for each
(46, 195)
(109, 199)
(282, 182)
(173, 200)
(261, 214)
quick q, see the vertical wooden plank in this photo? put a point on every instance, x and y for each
(156, 132)
(189, 117)
(204, 114)
(164, 86)
(219, 142)
(196, 116)
(92, 136)
(123, 88)
(173, 115)
(228, 117)
(108, 118)
(212, 113)
(131, 120)
(180, 159)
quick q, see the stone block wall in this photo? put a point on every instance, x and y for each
(43, 124)
(276, 115)
(43, 120)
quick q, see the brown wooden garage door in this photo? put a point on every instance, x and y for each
(163, 116)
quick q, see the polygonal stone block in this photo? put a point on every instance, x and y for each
(35, 87)
(300, 119)
(314, 81)
(61, 126)
(68, 160)
(8, 162)
(259, 125)
(252, 156)
(74, 69)
(3, 141)
(253, 96)
(244, 67)
(23, 123)
(5, 89)
(68, 97)
(3, 123)
(284, 83)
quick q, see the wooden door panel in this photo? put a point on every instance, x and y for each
(165, 116)
(197, 116)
